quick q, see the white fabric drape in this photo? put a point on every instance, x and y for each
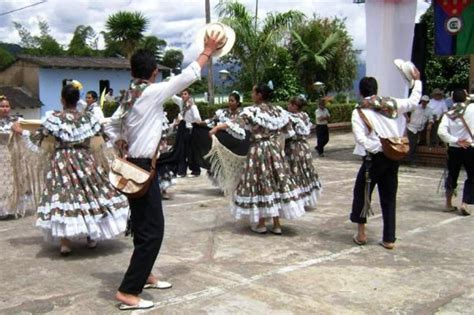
(389, 26)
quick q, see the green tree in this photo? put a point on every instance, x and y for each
(283, 75)
(6, 59)
(155, 45)
(257, 39)
(173, 58)
(446, 73)
(83, 42)
(127, 29)
(42, 45)
(322, 49)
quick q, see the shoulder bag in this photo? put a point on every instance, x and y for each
(394, 148)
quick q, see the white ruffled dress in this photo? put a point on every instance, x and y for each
(266, 188)
(77, 200)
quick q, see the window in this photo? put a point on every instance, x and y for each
(104, 84)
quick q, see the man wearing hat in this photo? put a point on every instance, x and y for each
(438, 107)
(136, 126)
(416, 124)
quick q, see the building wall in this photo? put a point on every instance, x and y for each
(50, 83)
(21, 74)
(27, 113)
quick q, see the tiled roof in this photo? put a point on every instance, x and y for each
(19, 98)
(81, 62)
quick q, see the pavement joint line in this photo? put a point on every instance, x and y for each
(192, 202)
(424, 229)
(215, 291)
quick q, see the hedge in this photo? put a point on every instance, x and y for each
(339, 112)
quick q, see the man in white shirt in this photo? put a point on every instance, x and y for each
(459, 135)
(416, 124)
(322, 131)
(189, 112)
(386, 120)
(93, 107)
(438, 107)
(141, 117)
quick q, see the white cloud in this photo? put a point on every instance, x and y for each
(175, 21)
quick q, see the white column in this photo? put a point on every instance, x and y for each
(390, 28)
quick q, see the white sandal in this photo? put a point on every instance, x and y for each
(142, 305)
(158, 285)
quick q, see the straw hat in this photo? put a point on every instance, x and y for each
(224, 30)
(406, 69)
(437, 91)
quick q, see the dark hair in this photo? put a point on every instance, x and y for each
(298, 101)
(236, 96)
(459, 96)
(143, 63)
(368, 86)
(93, 94)
(264, 90)
(186, 90)
(70, 94)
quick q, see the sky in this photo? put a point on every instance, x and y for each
(175, 21)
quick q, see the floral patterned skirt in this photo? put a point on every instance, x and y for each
(6, 181)
(78, 199)
(266, 188)
(298, 154)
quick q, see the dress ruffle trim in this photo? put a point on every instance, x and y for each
(301, 125)
(71, 127)
(235, 130)
(264, 119)
(98, 227)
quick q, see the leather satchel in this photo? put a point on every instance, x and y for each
(394, 148)
(130, 179)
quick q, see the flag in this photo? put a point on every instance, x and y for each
(454, 27)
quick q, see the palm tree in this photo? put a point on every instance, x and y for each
(256, 39)
(322, 51)
(127, 28)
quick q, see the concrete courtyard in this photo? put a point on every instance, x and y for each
(218, 266)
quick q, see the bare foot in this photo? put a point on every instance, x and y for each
(65, 247)
(151, 279)
(128, 299)
(387, 245)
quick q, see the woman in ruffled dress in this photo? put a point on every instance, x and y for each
(78, 200)
(165, 175)
(222, 116)
(8, 208)
(298, 153)
(265, 189)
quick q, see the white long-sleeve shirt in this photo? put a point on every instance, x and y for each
(192, 113)
(418, 119)
(95, 109)
(143, 123)
(382, 126)
(450, 131)
(438, 107)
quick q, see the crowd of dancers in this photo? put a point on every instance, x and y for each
(274, 178)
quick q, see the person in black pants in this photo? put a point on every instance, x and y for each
(384, 174)
(386, 114)
(322, 131)
(456, 128)
(137, 128)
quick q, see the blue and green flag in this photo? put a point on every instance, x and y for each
(454, 27)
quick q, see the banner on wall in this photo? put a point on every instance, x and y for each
(454, 27)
